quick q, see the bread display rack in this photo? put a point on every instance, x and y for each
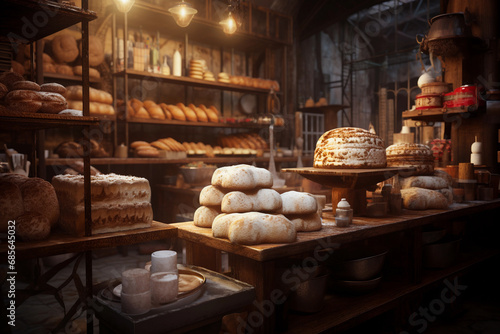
(204, 30)
(11, 29)
(350, 184)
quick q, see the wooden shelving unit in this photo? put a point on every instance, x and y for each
(18, 120)
(243, 125)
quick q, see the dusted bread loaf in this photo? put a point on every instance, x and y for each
(295, 202)
(242, 177)
(349, 148)
(417, 156)
(211, 195)
(204, 216)
(423, 199)
(264, 200)
(306, 223)
(118, 203)
(252, 228)
(427, 182)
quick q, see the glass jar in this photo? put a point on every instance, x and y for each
(343, 213)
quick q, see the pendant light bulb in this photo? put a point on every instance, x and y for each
(124, 5)
(229, 25)
(183, 13)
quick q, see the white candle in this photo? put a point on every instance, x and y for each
(164, 261)
(135, 281)
(164, 287)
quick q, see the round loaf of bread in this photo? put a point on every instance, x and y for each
(65, 48)
(204, 216)
(93, 73)
(211, 196)
(32, 226)
(11, 203)
(64, 69)
(53, 87)
(52, 103)
(26, 84)
(349, 148)
(9, 78)
(39, 196)
(96, 50)
(416, 156)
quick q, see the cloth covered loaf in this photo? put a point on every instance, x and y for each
(252, 228)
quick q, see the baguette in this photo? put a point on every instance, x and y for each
(252, 228)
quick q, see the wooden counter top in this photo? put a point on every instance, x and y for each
(329, 235)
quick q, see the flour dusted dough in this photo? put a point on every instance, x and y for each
(306, 222)
(296, 202)
(349, 148)
(242, 177)
(211, 195)
(427, 182)
(204, 216)
(422, 199)
(118, 203)
(252, 228)
(263, 200)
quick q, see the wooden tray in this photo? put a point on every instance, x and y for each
(347, 178)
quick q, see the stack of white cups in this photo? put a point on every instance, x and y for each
(136, 293)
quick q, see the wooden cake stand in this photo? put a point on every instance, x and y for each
(350, 184)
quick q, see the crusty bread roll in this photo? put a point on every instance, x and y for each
(52, 103)
(263, 200)
(161, 146)
(23, 101)
(53, 87)
(49, 68)
(306, 223)
(200, 114)
(69, 150)
(242, 177)
(295, 202)
(32, 226)
(154, 110)
(211, 114)
(176, 112)
(26, 84)
(64, 69)
(252, 228)
(3, 90)
(64, 48)
(93, 73)
(164, 107)
(139, 143)
(427, 182)
(422, 199)
(190, 114)
(95, 95)
(210, 196)
(9, 78)
(11, 202)
(39, 196)
(204, 216)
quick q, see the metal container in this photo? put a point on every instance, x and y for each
(198, 175)
(356, 287)
(359, 269)
(450, 25)
(441, 254)
(309, 295)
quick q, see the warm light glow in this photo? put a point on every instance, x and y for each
(183, 13)
(124, 5)
(229, 24)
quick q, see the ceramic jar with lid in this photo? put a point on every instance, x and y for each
(343, 213)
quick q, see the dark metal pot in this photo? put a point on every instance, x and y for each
(450, 25)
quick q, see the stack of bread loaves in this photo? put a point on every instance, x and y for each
(30, 203)
(100, 101)
(241, 206)
(427, 192)
(178, 112)
(118, 203)
(28, 96)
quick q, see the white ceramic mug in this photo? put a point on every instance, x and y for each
(163, 261)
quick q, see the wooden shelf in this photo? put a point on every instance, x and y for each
(438, 114)
(158, 161)
(13, 26)
(59, 243)
(324, 109)
(361, 228)
(351, 310)
(67, 77)
(142, 75)
(13, 120)
(244, 125)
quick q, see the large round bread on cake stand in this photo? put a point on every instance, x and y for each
(349, 148)
(350, 161)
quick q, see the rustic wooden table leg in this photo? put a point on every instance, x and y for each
(355, 197)
(203, 256)
(262, 316)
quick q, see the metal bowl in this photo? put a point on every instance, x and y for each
(359, 269)
(356, 287)
(309, 295)
(198, 175)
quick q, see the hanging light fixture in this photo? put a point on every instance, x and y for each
(229, 24)
(124, 5)
(183, 13)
